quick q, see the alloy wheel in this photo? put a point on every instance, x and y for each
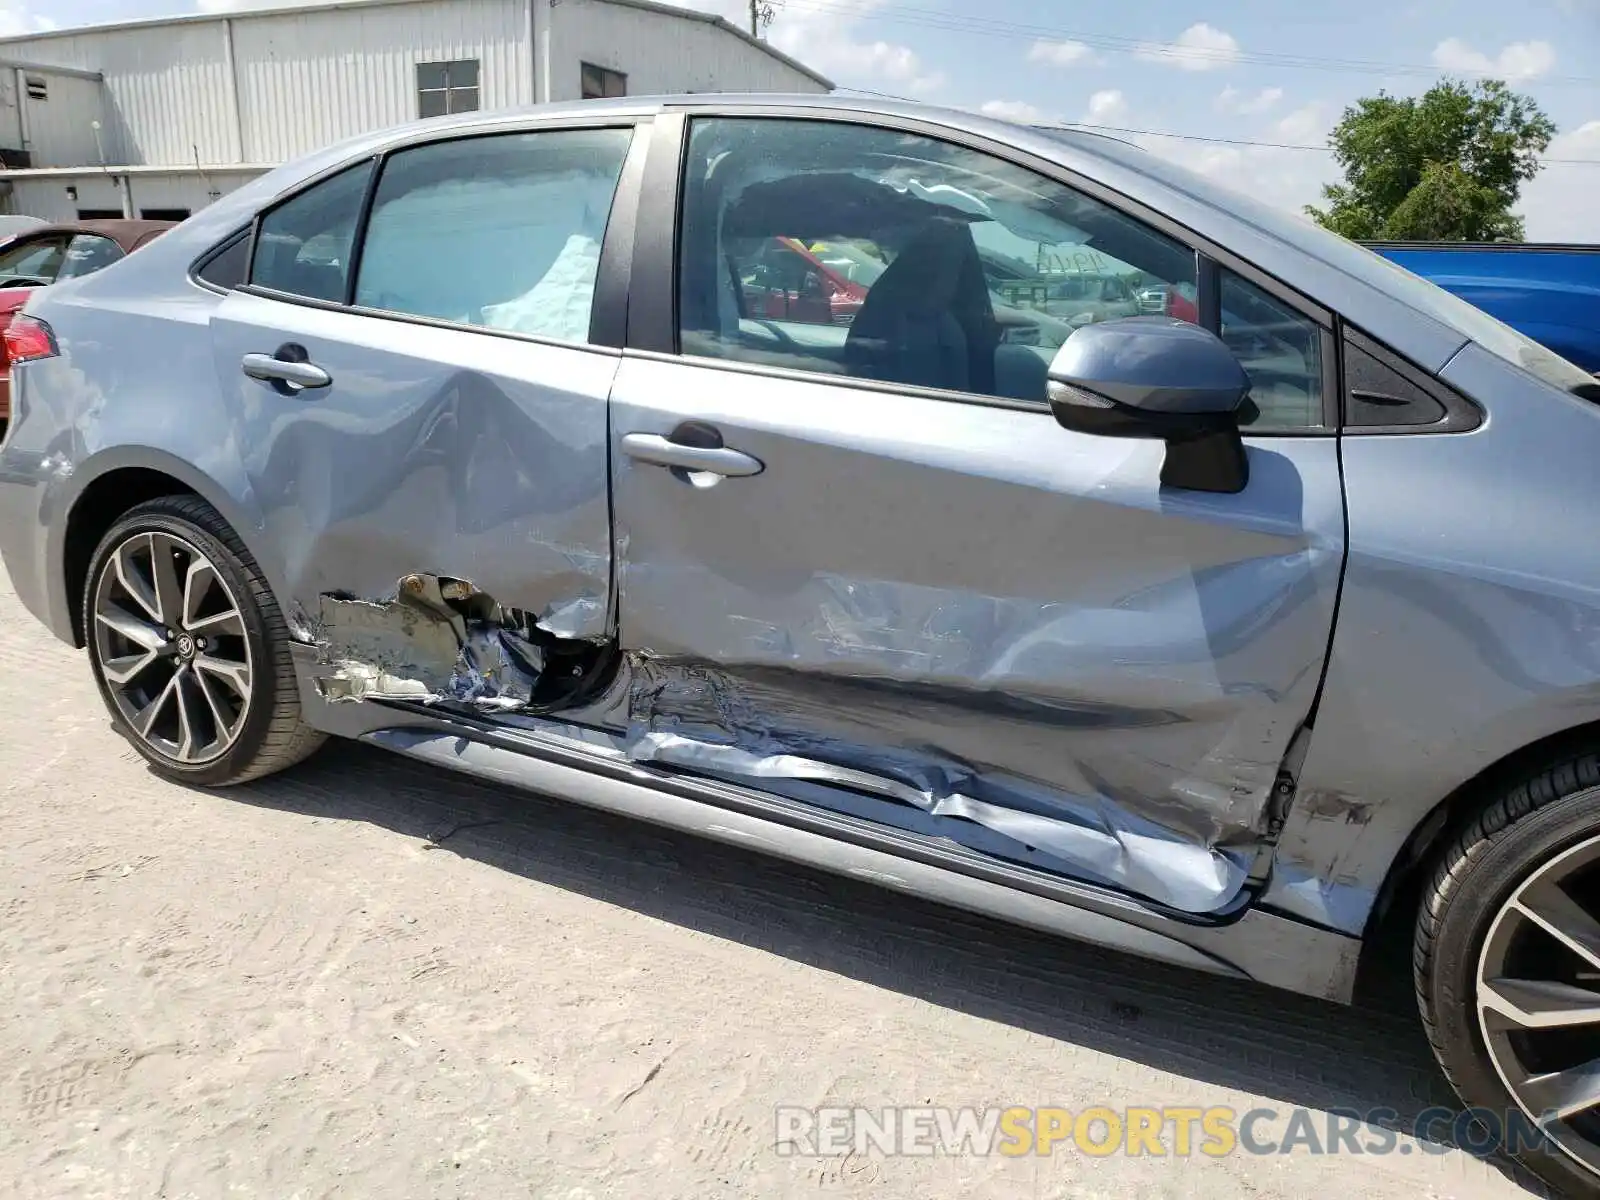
(170, 641)
(1538, 990)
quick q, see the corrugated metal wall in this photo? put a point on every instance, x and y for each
(61, 126)
(659, 53)
(183, 191)
(48, 198)
(167, 88)
(306, 80)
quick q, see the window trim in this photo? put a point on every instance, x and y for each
(608, 312)
(371, 161)
(220, 248)
(654, 333)
(1462, 415)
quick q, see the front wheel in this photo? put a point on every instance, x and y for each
(188, 647)
(1507, 960)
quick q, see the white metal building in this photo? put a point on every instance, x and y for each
(157, 118)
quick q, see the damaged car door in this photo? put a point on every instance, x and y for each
(424, 418)
(862, 566)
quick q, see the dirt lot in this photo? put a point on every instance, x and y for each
(367, 979)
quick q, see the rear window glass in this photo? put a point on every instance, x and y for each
(88, 253)
(227, 266)
(502, 232)
(303, 247)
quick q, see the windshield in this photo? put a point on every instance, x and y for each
(36, 259)
(1344, 255)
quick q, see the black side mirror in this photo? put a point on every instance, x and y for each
(1158, 377)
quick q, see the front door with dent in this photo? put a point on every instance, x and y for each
(860, 563)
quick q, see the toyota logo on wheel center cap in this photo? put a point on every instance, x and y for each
(185, 645)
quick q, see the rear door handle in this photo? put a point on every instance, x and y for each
(287, 369)
(664, 452)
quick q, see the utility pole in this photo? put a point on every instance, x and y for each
(760, 16)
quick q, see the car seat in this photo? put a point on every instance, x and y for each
(928, 320)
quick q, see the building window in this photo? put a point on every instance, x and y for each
(447, 87)
(37, 88)
(600, 82)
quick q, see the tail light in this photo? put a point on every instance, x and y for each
(29, 339)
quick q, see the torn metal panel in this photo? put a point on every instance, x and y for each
(433, 640)
(1081, 836)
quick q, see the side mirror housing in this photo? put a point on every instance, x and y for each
(1157, 377)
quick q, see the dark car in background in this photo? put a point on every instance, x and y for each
(42, 254)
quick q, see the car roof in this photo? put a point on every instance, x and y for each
(126, 233)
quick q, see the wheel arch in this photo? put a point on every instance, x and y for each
(1433, 831)
(110, 484)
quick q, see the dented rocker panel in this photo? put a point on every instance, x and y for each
(552, 758)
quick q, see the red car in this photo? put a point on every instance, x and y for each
(789, 281)
(39, 257)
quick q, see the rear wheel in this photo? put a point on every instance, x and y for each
(1508, 971)
(189, 649)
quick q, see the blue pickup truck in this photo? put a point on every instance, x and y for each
(1551, 293)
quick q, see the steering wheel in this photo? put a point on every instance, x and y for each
(25, 281)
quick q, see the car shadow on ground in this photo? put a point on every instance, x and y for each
(1289, 1049)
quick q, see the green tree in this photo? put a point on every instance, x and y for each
(1444, 166)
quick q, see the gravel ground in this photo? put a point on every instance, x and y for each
(369, 979)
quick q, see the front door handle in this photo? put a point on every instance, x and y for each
(287, 370)
(664, 452)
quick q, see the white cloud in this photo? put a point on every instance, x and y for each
(1062, 54)
(872, 64)
(823, 35)
(1012, 110)
(1558, 203)
(1106, 108)
(17, 21)
(1307, 125)
(1284, 179)
(1517, 63)
(1198, 48)
(1232, 100)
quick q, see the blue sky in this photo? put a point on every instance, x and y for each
(1251, 70)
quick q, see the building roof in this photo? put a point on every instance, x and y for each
(272, 10)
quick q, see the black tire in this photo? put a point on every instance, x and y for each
(272, 735)
(1523, 829)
